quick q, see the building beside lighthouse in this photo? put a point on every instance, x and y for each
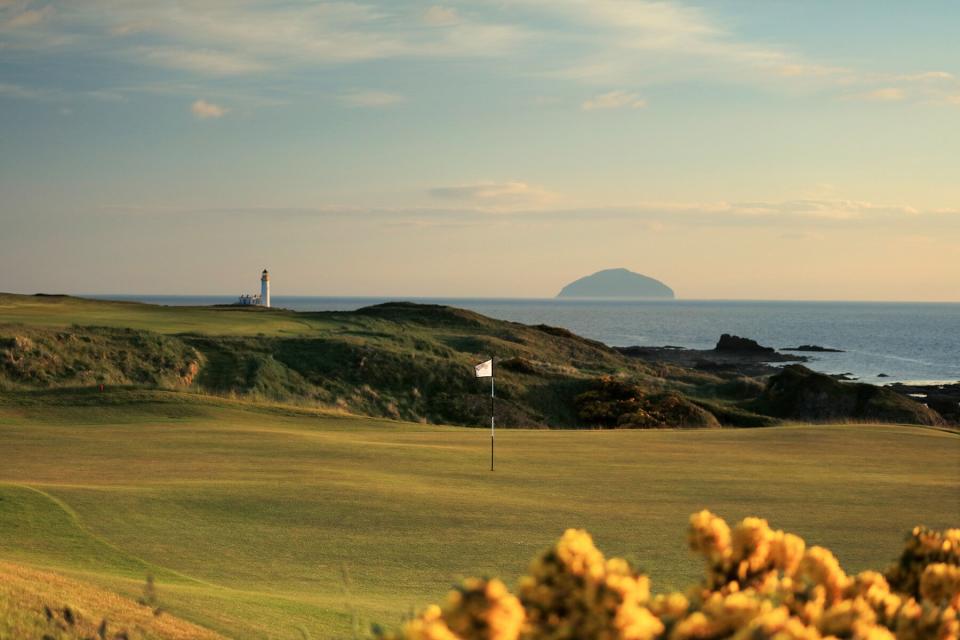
(261, 300)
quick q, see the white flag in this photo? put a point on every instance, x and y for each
(485, 369)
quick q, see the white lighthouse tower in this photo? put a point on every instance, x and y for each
(265, 288)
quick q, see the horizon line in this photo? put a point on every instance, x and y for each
(399, 298)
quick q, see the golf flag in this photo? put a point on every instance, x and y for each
(485, 369)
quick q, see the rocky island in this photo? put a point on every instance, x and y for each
(617, 283)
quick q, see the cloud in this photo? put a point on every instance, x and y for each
(614, 100)
(808, 212)
(928, 76)
(833, 209)
(24, 93)
(26, 18)
(664, 40)
(655, 42)
(370, 98)
(205, 110)
(655, 23)
(129, 28)
(203, 61)
(795, 70)
(227, 38)
(47, 94)
(438, 16)
(800, 235)
(926, 87)
(601, 43)
(885, 94)
(497, 196)
(516, 203)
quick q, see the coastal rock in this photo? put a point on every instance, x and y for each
(736, 344)
(726, 362)
(813, 348)
(802, 394)
(616, 283)
(843, 377)
(942, 398)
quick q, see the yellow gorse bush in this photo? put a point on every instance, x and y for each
(573, 592)
(760, 583)
(476, 609)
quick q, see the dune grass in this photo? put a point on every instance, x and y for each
(402, 361)
(259, 521)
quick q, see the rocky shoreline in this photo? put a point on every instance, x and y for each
(942, 398)
(735, 356)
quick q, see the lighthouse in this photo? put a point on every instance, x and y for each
(265, 288)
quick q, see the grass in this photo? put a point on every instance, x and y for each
(398, 360)
(65, 311)
(35, 604)
(259, 520)
(411, 362)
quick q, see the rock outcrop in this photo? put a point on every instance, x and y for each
(814, 348)
(801, 394)
(736, 344)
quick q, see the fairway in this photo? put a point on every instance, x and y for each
(257, 521)
(62, 312)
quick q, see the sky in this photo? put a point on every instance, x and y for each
(732, 149)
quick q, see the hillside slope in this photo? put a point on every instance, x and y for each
(396, 360)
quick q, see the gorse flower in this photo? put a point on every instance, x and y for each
(573, 592)
(477, 610)
(484, 610)
(940, 583)
(429, 625)
(760, 584)
(746, 556)
(923, 548)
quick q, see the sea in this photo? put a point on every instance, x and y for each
(914, 343)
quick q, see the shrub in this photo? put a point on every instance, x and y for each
(760, 583)
(613, 402)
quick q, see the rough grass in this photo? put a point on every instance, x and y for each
(257, 521)
(32, 357)
(40, 604)
(398, 360)
(65, 311)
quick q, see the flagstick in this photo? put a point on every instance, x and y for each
(491, 413)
